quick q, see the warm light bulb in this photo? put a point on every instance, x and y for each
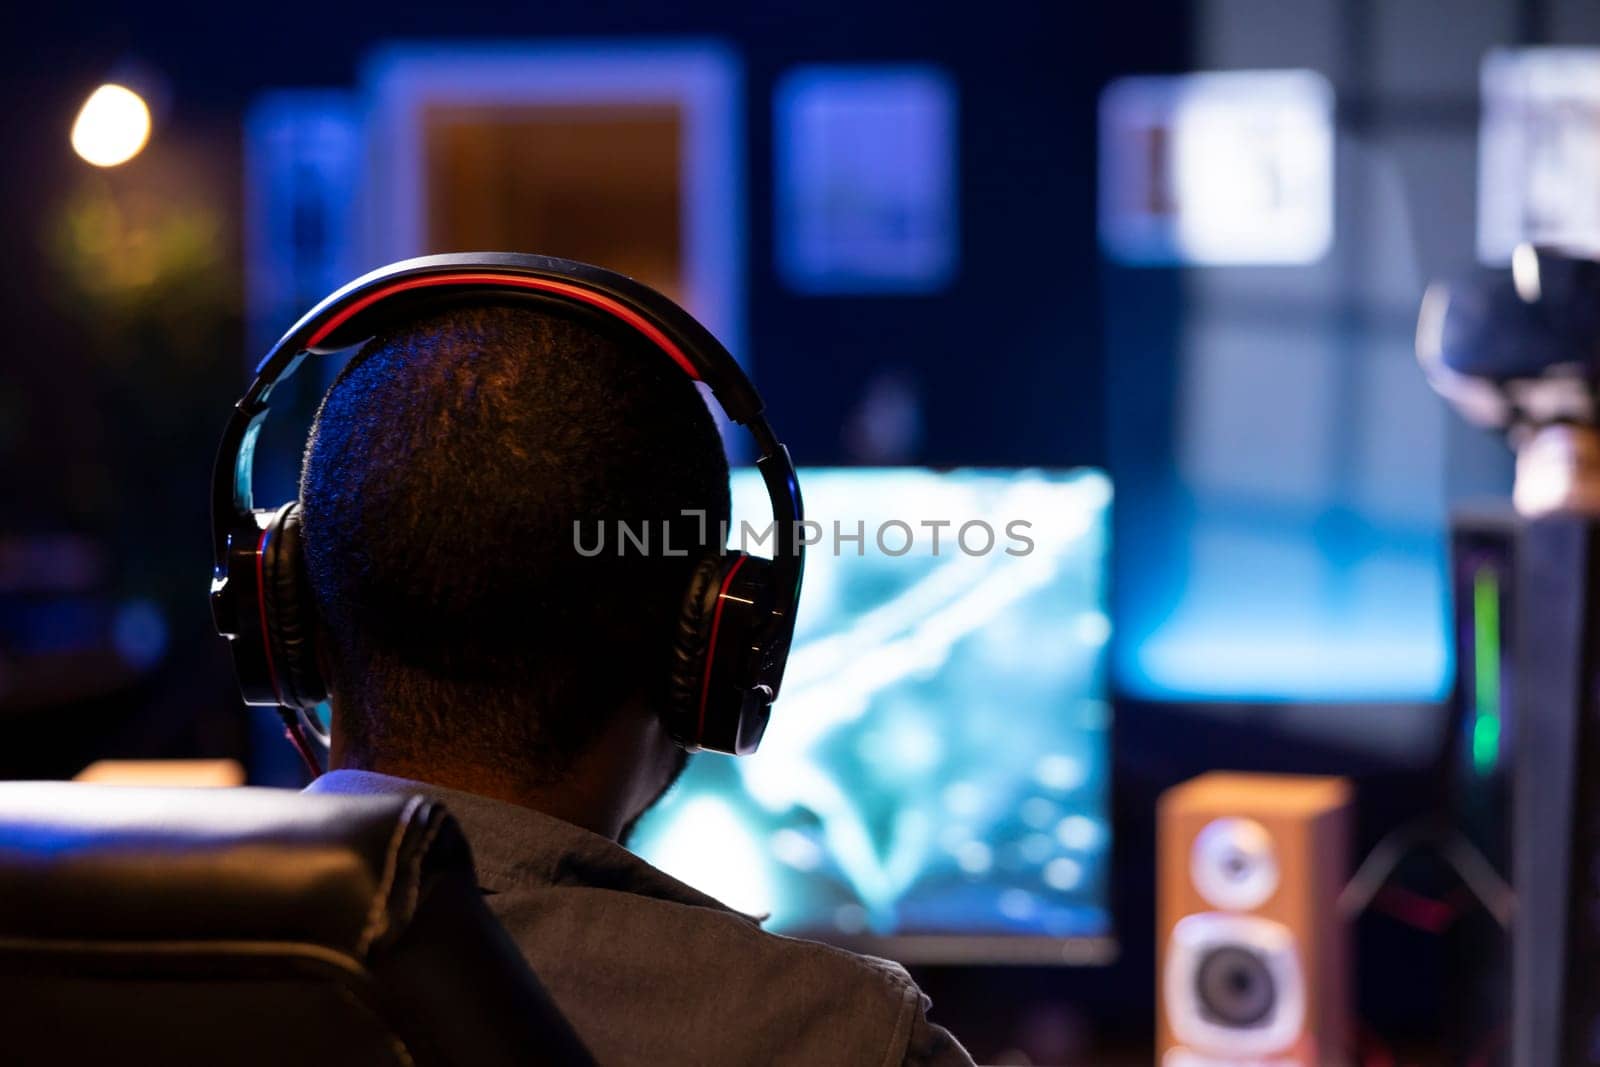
(112, 127)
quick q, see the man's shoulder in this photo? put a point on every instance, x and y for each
(695, 969)
(694, 929)
(601, 927)
(875, 970)
(868, 968)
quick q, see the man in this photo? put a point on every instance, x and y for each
(475, 655)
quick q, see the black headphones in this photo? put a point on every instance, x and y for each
(738, 612)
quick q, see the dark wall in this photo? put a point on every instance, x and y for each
(1007, 359)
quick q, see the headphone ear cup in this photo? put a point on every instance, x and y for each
(691, 645)
(289, 611)
(728, 656)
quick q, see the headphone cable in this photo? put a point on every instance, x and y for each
(295, 731)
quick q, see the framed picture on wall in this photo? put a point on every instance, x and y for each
(1539, 151)
(619, 153)
(304, 153)
(865, 176)
(1217, 168)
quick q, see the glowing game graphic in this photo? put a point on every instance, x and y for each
(936, 768)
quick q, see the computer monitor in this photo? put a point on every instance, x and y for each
(934, 784)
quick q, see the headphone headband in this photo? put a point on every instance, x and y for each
(359, 310)
(737, 616)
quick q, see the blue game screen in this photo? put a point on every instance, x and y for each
(937, 764)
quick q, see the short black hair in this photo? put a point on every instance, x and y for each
(450, 466)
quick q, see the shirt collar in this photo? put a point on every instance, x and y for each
(514, 847)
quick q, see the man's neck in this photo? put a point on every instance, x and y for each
(602, 788)
(568, 799)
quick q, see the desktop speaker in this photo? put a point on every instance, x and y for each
(1252, 955)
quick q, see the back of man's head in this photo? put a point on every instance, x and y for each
(446, 475)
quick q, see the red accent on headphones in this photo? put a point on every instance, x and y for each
(545, 285)
(711, 647)
(261, 607)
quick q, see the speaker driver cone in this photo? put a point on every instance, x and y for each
(1234, 986)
